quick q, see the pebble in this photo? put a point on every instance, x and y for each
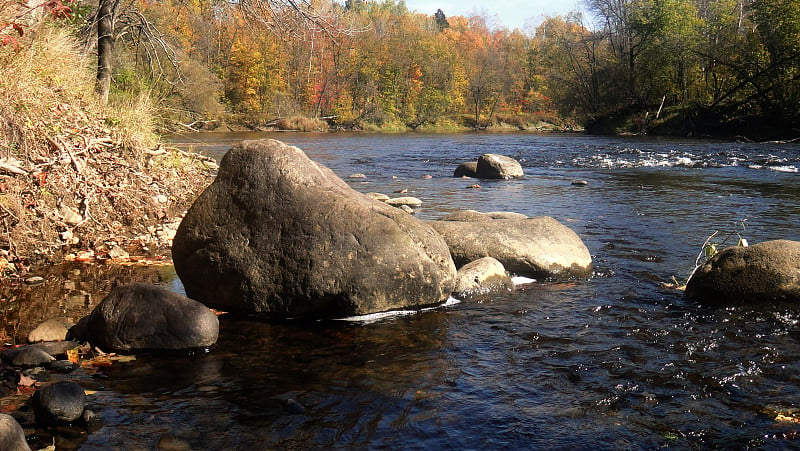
(35, 280)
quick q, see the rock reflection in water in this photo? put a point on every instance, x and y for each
(69, 290)
(287, 384)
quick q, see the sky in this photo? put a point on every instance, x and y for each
(511, 14)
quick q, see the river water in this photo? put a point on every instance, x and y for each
(617, 361)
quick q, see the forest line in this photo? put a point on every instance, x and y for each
(683, 67)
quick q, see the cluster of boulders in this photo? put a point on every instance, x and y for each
(279, 234)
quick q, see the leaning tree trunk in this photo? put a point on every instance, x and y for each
(105, 47)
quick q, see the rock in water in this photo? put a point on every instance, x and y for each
(148, 317)
(483, 276)
(768, 271)
(279, 234)
(539, 248)
(492, 166)
(61, 402)
(12, 437)
(468, 169)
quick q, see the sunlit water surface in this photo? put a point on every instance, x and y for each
(612, 362)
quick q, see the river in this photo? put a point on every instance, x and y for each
(617, 361)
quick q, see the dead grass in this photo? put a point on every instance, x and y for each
(75, 175)
(302, 124)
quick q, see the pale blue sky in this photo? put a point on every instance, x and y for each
(511, 14)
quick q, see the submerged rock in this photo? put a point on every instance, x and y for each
(277, 233)
(481, 277)
(58, 403)
(763, 272)
(148, 317)
(474, 216)
(534, 247)
(12, 437)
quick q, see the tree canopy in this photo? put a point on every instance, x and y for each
(677, 66)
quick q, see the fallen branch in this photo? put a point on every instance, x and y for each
(10, 168)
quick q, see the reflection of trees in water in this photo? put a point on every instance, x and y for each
(69, 290)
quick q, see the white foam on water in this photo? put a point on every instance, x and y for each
(374, 317)
(783, 168)
(519, 280)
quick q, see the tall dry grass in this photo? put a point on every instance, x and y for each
(61, 149)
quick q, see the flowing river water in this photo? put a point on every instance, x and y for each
(616, 361)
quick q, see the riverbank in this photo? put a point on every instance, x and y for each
(80, 180)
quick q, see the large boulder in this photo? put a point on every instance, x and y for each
(768, 271)
(540, 248)
(481, 277)
(148, 317)
(279, 234)
(490, 166)
(12, 437)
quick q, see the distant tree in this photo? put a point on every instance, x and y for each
(441, 20)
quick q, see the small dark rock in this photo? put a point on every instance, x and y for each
(294, 407)
(38, 374)
(62, 366)
(61, 402)
(31, 356)
(579, 183)
(468, 169)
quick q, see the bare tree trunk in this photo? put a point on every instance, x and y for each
(105, 47)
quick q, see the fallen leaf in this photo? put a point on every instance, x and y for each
(26, 381)
(74, 355)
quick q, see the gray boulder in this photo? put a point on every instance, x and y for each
(148, 317)
(58, 403)
(12, 437)
(490, 166)
(535, 247)
(768, 271)
(31, 356)
(278, 234)
(481, 277)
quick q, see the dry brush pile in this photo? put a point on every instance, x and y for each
(78, 179)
